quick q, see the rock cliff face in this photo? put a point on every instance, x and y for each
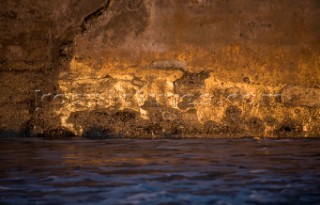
(160, 68)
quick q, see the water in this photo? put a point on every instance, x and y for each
(221, 171)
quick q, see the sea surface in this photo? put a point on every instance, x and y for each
(127, 171)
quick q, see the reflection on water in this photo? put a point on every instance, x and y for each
(224, 171)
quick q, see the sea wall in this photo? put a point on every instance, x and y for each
(160, 68)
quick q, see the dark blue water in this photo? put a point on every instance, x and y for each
(221, 171)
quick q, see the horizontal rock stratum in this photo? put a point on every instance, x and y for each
(160, 68)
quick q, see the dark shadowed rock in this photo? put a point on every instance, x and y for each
(6, 133)
(290, 128)
(58, 133)
(191, 83)
(98, 133)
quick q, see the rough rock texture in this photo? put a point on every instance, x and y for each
(160, 68)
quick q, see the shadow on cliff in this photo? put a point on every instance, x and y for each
(44, 122)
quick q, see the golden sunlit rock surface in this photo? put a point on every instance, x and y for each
(167, 68)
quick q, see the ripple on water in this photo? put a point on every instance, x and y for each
(241, 171)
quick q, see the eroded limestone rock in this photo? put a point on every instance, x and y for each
(167, 69)
(301, 96)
